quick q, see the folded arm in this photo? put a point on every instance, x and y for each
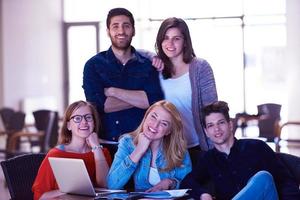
(113, 104)
(120, 99)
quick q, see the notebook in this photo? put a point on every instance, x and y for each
(72, 177)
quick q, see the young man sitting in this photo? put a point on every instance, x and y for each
(239, 169)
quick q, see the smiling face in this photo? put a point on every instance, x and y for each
(157, 124)
(173, 42)
(84, 127)
(120, 32)
(218, 129)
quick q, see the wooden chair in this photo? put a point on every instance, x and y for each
(279, 129)
(46, 124)
(6, 114)
(269, 121)
(47, 121)
(20, 172)
(292, 163)
(14, 122)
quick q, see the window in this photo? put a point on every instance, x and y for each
(82, 42)
(243, 42)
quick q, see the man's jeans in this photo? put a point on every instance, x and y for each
(260, 186)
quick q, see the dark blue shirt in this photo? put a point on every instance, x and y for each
(230, 173)
(105, 70)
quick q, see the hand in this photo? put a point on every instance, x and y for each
(143, 143)
(158, 63)
(141, 148)
(110, 92)
(206, 196)
(92, 140)
(162, 185)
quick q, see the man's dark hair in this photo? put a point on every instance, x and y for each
(216, 107)
(119, 11)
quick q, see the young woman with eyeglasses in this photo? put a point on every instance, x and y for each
(78, 139)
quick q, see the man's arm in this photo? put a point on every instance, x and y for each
(156, 61)
(113, 104)
(142, 98)
(135, 98)
(153, 90)
(197, 179)
(93, 85)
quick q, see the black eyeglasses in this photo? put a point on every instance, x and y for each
(78, 118)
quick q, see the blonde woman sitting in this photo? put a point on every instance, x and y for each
(155, 154)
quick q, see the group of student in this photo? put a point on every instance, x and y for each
(185, 140)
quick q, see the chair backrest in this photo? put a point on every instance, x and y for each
(292, 163)
(47, 121)
(270, 109)
(14, 122)
(270, 117)
(6, 114)
(17, 121)
(20, 172)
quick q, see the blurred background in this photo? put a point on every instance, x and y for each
(252, 45)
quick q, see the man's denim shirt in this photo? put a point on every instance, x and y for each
(123, 167)
(104, 70)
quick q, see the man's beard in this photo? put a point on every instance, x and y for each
(121, 46)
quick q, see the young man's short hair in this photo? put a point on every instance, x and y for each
(216, 107)
(119, 11)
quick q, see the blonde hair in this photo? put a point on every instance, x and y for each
(174, 144)
(65, 135)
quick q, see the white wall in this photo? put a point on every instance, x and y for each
(31, 51)
(293, 57)
(31, 57)
(1, 58)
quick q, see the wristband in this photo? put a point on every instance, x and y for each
(97, 147)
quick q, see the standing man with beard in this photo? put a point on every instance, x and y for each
(120, 82)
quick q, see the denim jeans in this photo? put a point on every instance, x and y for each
(260, 186)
